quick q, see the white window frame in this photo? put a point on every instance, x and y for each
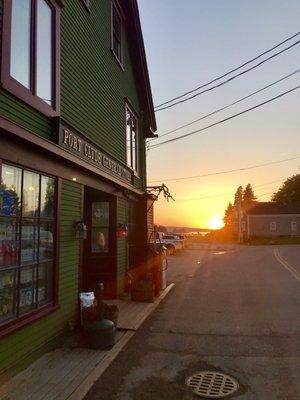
(87, 4)
(132, 162)
(115, 9)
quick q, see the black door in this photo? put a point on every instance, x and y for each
(99, 252)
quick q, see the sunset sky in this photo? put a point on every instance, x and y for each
(191, 42)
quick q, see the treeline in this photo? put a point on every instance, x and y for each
(242, 198)
(288, 193)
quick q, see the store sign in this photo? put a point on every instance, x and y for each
(88, 152)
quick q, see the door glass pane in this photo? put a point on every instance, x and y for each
(27, 299)
(30, 194)
(45, 283)
(29, 241)
(20, 42)
(47, 197)
(46, 241)
(7, 284)
(9, 243)
(44, 51)
(100, 213)
(99, 242)
(10, 190)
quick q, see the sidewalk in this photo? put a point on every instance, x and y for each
(69, 373)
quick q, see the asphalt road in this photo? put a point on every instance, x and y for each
(236, 311)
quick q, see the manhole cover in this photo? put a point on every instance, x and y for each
(212, 385)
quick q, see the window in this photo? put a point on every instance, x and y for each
(100, 227)
(27, 209)
(294, 226)
(30, 69)
(272, 226)
(116, 34)
(131, 139)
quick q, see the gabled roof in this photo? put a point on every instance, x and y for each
(139, 62)
(272, 208)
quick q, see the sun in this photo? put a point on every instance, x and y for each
(216, 222)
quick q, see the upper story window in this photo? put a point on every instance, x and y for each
(27, 231)
(132, 139)
(30, 64)
(117, 33)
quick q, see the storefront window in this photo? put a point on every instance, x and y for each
(26, 241)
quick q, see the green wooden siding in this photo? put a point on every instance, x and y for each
(93, 86)
(18, 349)
(18, 112)
(121, 246)
(95, 105)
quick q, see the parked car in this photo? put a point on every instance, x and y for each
(184, 240)
(171, 242)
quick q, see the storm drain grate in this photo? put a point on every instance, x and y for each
(213, 385)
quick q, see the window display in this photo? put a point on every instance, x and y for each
(26, 241)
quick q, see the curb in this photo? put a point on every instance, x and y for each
(86, 385)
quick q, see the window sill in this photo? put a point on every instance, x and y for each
(16, 325)
(18, 90)
(117, 60)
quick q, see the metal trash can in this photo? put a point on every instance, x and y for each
(101, 334)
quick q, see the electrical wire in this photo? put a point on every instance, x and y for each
(226, 119)
(229, 72)
(217, 195)
(230, 79)
(227, 106)
(227, 171)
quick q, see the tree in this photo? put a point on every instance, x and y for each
(289, 192)
(248, 195)
(228, 217)
(238, 197)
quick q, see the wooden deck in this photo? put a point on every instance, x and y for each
(69, 372)
(131, 313)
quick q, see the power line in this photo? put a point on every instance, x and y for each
(227, 106)
(229, 72)
(229, 79)
(227, 171)
(226, 119)
(209, 197)
(222, 194)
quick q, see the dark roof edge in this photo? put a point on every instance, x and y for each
(272, 208)
(140, 64)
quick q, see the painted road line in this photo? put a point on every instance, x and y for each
(286, 265)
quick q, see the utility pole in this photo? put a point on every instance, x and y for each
(240, 220)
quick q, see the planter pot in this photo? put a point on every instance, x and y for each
(143, 291)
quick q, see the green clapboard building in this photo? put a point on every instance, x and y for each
(75, 111)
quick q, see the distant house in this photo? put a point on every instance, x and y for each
(264, 219)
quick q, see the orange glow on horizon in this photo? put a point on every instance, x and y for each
(216, 222)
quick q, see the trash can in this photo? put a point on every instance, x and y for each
(101, 334)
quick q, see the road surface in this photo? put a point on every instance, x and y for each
(235, 311)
